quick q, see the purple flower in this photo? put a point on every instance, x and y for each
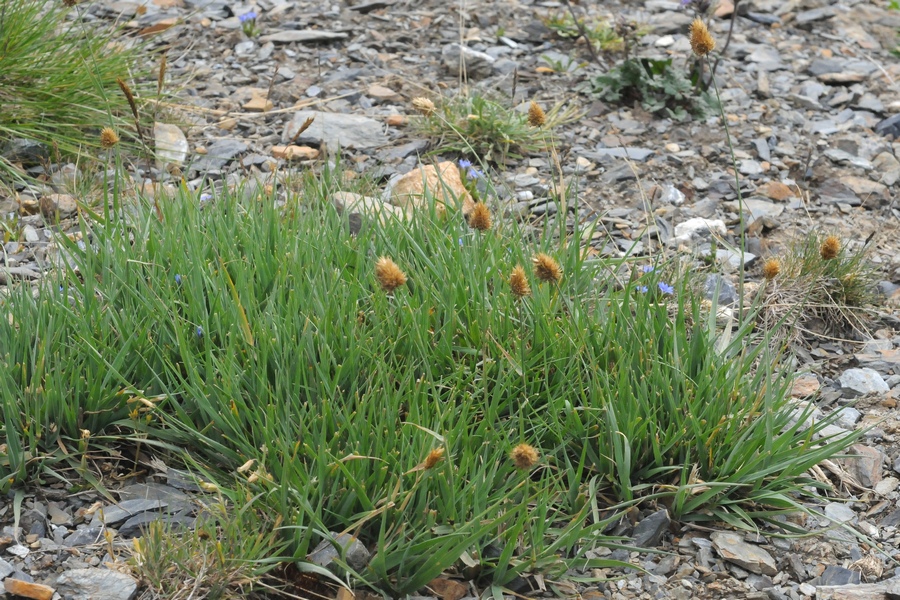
(647, 269)
(199, 332)
(474, 173)
(666, 288)
(250, 16)
(178, 279)
(465, 164)
(642, 289)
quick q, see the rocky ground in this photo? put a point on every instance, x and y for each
(811, 95)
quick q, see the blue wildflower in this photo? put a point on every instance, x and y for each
(460, 242)
(666, 288)
(199, 332)
(178, 279)
(250, 16)
(465, 164)
(474, 173)
(642, 289)
(205, 197)
(647, 269)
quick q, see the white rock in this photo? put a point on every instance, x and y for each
(698, 227)
(886, 486)
(171, 145)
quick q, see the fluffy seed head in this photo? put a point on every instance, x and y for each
(389, 275)
(524, 456)
(830, 247)
(68, 3)
(546, 268)
(480, 218)
(424, 106)
(702, 42)
(433, 458)
(108, 137)
(771, 268)
(518, 282)
(536, 116)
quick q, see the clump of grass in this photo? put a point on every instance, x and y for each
(822, 288)
(276, 351)
(601, 34)
(483, 128)
(59, 79)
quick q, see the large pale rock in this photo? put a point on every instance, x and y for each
(442, 183)
(367, 206)
(96, 584)
(335, 130)
(171, 145)
(733, 548)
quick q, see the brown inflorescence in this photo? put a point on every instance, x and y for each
(424, 106)
(524, 456)
(536, 116)
(546, 268)
(433, 458)
(108, 137)
(830, 247)
(518, 282)
(771, 268)
(389, 275)
(480, 218)
(702, 42)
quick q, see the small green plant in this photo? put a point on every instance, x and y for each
(486, 129)
(568, 64)
(656, 85)
(602, 35)
(822, 286)
(59, 80)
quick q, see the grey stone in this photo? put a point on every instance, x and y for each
(832, 191)
(136, 524)
(734, 258)
(84, 537)
(715, 283)
(218, 155)
(841, 157)
(848, 417)
(336, 130)
(302, 36)
(864, 464)
(177, 500)
(649, 531)
(858, 382)
(834, 575)
(326, 553)
(734, 549)
(816, 14)
(476, 65)
(839, 512)
(636, 154)
(891, 520)
(112, 515)
(886, 486)
(171, 145)
(95, 584)
(748, 166)
(27, 152)
(889, 126)
(7, 569)
(30, 234)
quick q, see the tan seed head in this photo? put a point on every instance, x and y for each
(423, 106)
(518, 282)
(524, 456)
(546, 268)
(771, 268)
(536, 116)
(108, 137)
(433, 458)
(830, 247)
(389, 275)
(702, 42)
(480, 218)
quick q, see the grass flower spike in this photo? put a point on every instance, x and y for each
(424, 106)
(702, 42)
(546, 268)
(536, 116)
(830, 247)
(524, 456)
(771, 269)
(389, 275)
(518, 282)
(108, 137)
(480, 218)
(433, 458)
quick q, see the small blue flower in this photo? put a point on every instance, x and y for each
(642, 289)
(465, 164)
(61, 289)
(647, 269)
(250, 16)
(460, 242)
(205, 197)
(666, 288)
(474, 173)
(199, 332)
(178, 279)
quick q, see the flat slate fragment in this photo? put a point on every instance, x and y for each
(302, 35)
